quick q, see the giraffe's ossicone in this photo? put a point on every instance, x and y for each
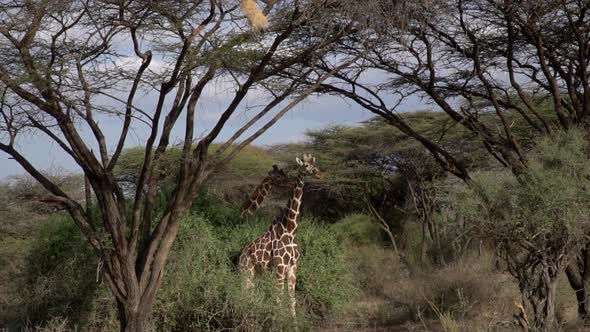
(277, 248)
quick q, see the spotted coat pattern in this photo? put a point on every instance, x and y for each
(277, 248)
(276, 177)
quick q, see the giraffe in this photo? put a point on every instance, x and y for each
(276, 177)
(277, 247)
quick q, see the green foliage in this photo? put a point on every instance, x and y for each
(377, 149)
(237, 53)
(375, 160)
(248, 167)
(250, 161)
(557, 188)
(216, 210)
(358, 229)
(324, 278)
(549, 202)
(203, 291)
(59, 278)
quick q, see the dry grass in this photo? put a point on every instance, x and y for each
(256, 17)
(467, 295)
(468, 291)
(55, 324)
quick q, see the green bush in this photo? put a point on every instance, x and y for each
(551, 198)
(251, 162)
(203, 290)
(325, 280)
(59, 277)
(538, 218)
(358, 229)
(374, 267)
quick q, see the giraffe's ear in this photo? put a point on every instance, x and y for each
(313, 160)
(299, 162)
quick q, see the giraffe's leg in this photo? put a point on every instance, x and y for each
(249, 281)
(247, 269)
(281, 272)
(291, 282)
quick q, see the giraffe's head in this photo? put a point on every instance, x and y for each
(278, 177)
(307, 166)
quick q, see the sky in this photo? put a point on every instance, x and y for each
(316, 112)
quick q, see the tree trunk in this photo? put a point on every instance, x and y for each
(578, 275)
(576, 280)
(540, 290)
(423, 246)
(550, 321)
(585, 262)
(132, 318)
(537, 280)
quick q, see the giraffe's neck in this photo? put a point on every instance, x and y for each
(257, 197)
(294, 204)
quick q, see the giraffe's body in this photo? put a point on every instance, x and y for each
(277, 248)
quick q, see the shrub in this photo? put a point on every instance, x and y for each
(551, 197)
(250, 163)
(216, 210)
(537, 218)
(358, 229)
(325, 278)
(466, 289)
(374, 268)
(59, 277)
(203, 290)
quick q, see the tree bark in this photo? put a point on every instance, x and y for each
(583, 315)
(537, 280)
(132, 318)
(576, 280)
(423, 245)
(578, 275)
(539, 288)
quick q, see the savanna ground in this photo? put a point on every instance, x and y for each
(351, 276)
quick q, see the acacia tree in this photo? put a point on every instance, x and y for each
(473, 59)
(67, 68)
(520, 61)
(536, 220)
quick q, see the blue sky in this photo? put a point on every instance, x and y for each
(314, 113)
